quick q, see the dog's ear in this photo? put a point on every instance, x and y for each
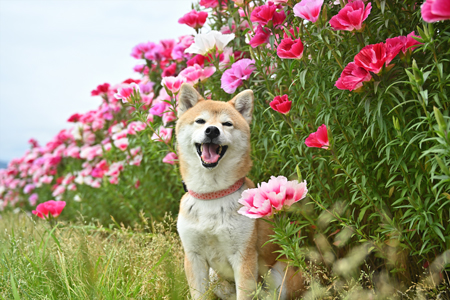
(243, 103)
(188, 98)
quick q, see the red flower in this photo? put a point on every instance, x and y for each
(352, 77)
(101, 89)
(265, 13)
(372, 57)
(130, 80)
(291, 49)
(281, 104)
(436, 10)
(50, 207)
(74, 118)
(319, 138)
(393, 47)
(170, 70)
(194, 19)
(351, 16)
(261, 36)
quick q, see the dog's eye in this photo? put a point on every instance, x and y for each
(200, 121)
(227, 124)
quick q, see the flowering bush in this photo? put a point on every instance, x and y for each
(373, 75)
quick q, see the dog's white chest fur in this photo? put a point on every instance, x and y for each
(213, 230)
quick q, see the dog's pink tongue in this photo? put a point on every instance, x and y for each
(209, 154)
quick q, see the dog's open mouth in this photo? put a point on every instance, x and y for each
(210, 153)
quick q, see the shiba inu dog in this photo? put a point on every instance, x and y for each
(223, 249)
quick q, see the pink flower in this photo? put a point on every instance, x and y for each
(261, 36)
(319, 138)
(411, 43)
(163, 134)
(33, 199)
(271, 196)
(291, 49)
(60, 189)
(435, 10)
(308, 9)
(281, 104)
(255, 206)
(168, 116)
(51, 207)
(100, 169)
(393, 47)
(170, 158)
(29, 188)
(372, 57)
(134, 127)
(210, 3)
(265, 13)
(239, 71)
(196, 73)
(158, 108)
(352, 77)
(124, 93)
(122, 143)
(194, 19)
(351, 16)
(173, 84)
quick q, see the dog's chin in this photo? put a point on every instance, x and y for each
(219, 153)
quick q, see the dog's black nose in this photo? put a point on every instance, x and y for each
(212, 132)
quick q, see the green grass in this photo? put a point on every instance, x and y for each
(87, 261)
(83, 261)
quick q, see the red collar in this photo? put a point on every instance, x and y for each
(218, 194)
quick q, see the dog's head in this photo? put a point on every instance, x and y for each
(214, 135)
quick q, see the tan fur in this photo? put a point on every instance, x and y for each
(202, 225)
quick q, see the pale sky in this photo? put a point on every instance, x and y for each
(54, 52)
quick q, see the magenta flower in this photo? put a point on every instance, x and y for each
(265, 13)
(261, 36)
(170, 158)
(124, 93)
(239, 71)
(352, 77)
(271, 196)
(351, 16)
(54, 208)
(318, 139)
(393, 47)
(290, 49)
(194, 19)
(411, 43)
(172, 83)
(281, 104)
(308, 9)
(435, 10)
(372, 57)
(159, 108)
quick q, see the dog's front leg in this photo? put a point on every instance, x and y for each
(245, 269)
(197, 274)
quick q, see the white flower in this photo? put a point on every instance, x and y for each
(203, 43)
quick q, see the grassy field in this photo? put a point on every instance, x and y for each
(88, 261)
(84, 261)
